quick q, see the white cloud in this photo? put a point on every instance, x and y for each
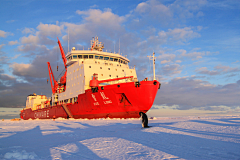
(218, 70)
(151, 11)
(153, 8)
(226, 69)
(21, 69)
(171, 69)
(167, 14)
(179, 36)
(204, 70)
(13, 42)
(235, 61)
(95, 22)
(16, 56)
(165, 61)
(194, 55)
(40, 37)
(182, 34)
(10, 21)
(166, 56)
(1, 45)
(3, 34)
(102, 18)
(28, 30)
(50, 30)
(30, 39)
(187, 8)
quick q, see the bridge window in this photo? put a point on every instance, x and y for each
(115, 59)
(80, 56)
(74, 56)
(100, 57)
(96, 57)
(106, 58)
(85, 56)
(90, 56)
(111, 59)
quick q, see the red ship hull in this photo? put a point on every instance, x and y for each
(123, 100)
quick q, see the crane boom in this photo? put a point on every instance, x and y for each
(55, 85)
(62, 53)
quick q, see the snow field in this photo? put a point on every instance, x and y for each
(169, 138)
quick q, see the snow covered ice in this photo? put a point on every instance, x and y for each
(169, 138)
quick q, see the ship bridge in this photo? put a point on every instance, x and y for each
(83, 64)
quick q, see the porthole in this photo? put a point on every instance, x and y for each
(89, 66)
(108, 68)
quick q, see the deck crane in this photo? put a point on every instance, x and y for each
(55, 83)
(63, 78)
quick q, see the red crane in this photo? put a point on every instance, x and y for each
(55, 85)
(62, 53)
(63, 78)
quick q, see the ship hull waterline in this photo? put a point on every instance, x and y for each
(123, 100)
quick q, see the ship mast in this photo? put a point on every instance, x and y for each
(153, 59)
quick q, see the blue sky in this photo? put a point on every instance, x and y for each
(196, 44)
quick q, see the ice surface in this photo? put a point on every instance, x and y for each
(168, 138)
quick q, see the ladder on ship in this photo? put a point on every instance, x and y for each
(69, 114)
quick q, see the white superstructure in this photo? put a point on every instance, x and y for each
(34, 100)
(82, 64)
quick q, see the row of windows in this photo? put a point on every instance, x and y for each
(97, 57)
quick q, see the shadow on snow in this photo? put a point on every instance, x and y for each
(183, 146)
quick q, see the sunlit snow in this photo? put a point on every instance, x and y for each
(167, 138)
